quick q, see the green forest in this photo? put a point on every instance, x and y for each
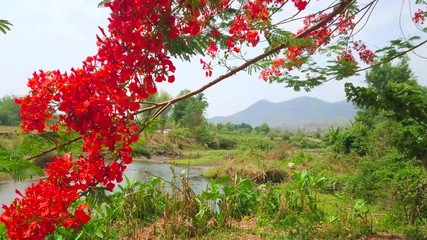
(364, 181)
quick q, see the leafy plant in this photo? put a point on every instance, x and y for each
(241, 198)
(3, 235)
(360, 217)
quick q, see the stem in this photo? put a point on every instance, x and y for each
(53, 148)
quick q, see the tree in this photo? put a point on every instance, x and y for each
(194, 113)
(100, 99)
(190, 114)
(178, 110)
(393, 95)
(263, 128)
(9, 111)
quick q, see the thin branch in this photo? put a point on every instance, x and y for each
(384, 61)
(163, 105)
(294, 18)
(155, 115)
(53, 148)
(392, 58)
(242, 67)
(401, 28)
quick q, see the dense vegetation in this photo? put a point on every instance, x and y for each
(345, 183)
(9, 111)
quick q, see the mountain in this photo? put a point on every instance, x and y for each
(296, 112)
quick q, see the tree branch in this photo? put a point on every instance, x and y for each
(343, 5)
(163, 105)
(53, 148)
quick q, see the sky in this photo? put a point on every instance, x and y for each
(60, 34)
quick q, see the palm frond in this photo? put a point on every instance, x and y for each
(4, 26)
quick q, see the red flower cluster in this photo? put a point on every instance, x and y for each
(346, 56)
(207, 67)
(300, 4)
(275, 69)
(97, 100)
(366, 55)
(319, 37)
(46, 204)
(100, 99)
(419, 16)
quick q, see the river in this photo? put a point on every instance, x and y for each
(137, 170)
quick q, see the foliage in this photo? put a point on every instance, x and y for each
(3, 235)
(389, 134)
(305, 142)
(395, 94)
(230, 127)
(5, 26)
(242, 199)
(225, 142)
(263, 128)
(134, 203)
(9, 111)
(194, 112)
(294, 210)
(100, 100)
(395, 184)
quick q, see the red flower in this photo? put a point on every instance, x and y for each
(300, 4)
(81, 216)
(419, 16)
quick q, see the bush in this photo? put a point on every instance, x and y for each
(307, 143)
(141, 149)
(409, 193)
(353, 139)
(395, 182)
(258, 143)
(180, 135)
(225, 142)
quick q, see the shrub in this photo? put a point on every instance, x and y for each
(225, 142)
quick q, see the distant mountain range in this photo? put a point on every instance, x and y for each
(298, 112)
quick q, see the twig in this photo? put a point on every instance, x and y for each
(53, 148)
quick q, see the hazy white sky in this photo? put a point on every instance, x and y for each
(59, 34)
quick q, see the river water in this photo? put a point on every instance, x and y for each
(138, 170)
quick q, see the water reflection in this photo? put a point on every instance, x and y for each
(144, 171)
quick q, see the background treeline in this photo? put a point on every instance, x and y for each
(9, 111)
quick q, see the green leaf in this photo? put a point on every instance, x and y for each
(102, 3)
(278, 37)
(20, 169)
(99, 234)
(4, 25)
(222, 180)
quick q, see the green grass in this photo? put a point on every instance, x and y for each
(206, 158)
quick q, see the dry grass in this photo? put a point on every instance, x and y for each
(244, 229)
(9, 137)
(9, 129)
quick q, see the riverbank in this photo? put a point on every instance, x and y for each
(194, 160)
